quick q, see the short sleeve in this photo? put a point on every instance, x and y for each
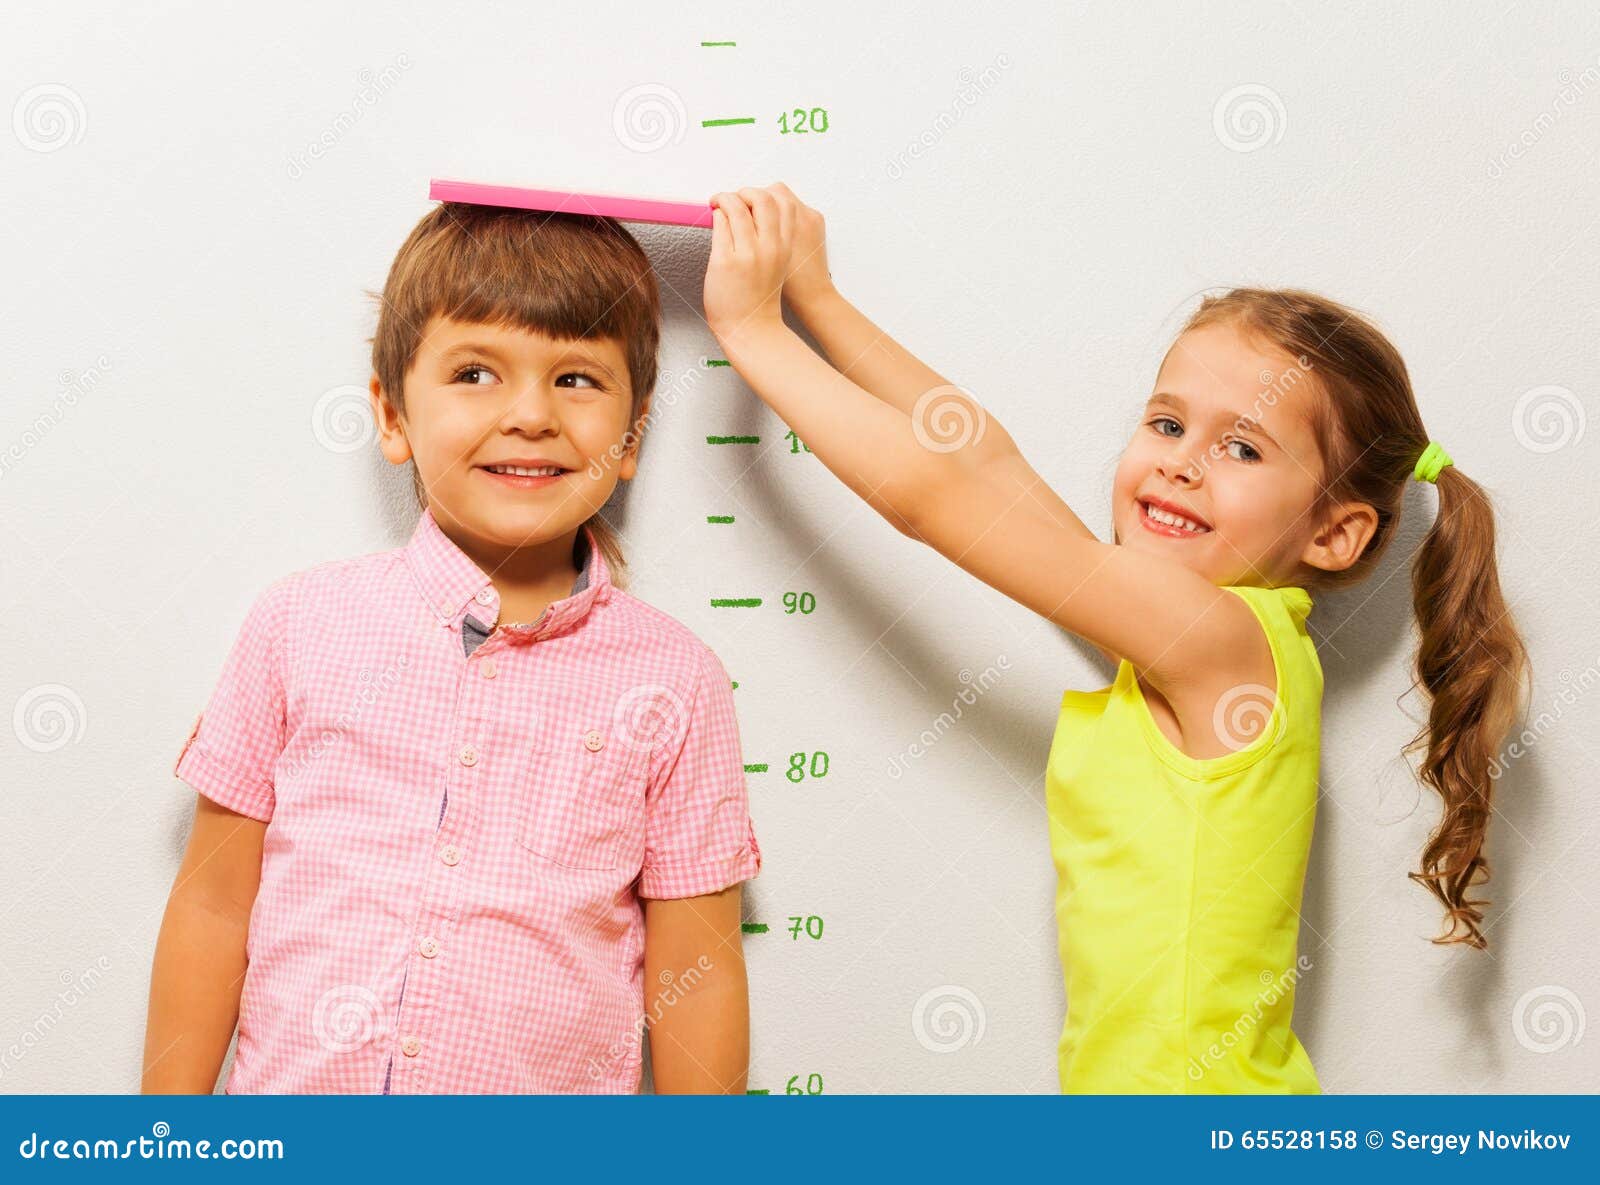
(235, 743)
(698, 834)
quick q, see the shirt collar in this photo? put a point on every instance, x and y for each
(451, 583)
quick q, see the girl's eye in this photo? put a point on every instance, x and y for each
(1160, 420)
(474, 368)
(1248, 450)
(577, 374)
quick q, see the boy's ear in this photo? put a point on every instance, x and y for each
(1344, 534)
(629, 464)
(391, 431)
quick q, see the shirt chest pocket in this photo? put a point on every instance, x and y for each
(583, 800)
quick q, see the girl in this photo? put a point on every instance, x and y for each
(1270, 460)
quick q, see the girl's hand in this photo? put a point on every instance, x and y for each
(807, 278)
(749, 254)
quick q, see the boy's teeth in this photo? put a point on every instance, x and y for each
(548, 471)
(1173, 520)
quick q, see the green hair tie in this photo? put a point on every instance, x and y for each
(1433, 459)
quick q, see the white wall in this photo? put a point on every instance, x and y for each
(185, 290)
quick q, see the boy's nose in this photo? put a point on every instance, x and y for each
(533, 410)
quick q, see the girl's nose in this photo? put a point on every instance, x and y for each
(1181, 467)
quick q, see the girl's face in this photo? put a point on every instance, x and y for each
(1223, 472)
(482, 396)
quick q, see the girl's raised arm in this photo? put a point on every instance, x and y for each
(1191, 639)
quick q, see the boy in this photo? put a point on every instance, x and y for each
(463, 803)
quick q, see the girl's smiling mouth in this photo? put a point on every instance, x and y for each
(1163, 518)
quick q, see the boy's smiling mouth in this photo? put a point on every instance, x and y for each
(528, 473)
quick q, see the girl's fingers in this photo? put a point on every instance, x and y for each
(721, 240)
(740, 225)
(771, 235)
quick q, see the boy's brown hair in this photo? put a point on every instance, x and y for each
(568, 276)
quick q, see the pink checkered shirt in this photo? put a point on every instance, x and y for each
(458, 837)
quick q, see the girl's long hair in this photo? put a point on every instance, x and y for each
(1470, 660)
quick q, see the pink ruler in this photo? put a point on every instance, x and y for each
(629, 209)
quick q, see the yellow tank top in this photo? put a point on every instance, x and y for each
(1179, 880)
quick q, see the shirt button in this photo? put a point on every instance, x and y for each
(447, 608)
(593, 741)
(484, 596)
(487, 667)
(450, 854)
(469, 756)
(411, 1046)
(428, 947)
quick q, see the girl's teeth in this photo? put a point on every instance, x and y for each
(1173, 520)
(548, 472)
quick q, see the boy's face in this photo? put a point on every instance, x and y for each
(1225, 443)
(480, 397)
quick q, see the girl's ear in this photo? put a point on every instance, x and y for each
(1345, 531)
(391, 434)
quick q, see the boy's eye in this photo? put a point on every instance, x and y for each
(577, 374)
(474, 368)
(1249, 451)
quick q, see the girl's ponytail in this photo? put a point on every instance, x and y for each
(1472, 663)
